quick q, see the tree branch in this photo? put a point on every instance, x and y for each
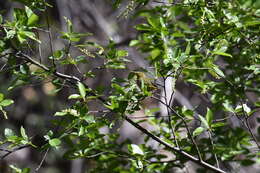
(175, 149)
(136, 125)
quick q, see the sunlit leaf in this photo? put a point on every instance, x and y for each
(9, 132)
(222, 54)
(55, 142)
(209, 116)
(74, 96)
(22, 131)
(6, 102)
(198, 131)
(82, 90)
(204, 121)
(135, 149)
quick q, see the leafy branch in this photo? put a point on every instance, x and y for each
(167, 145)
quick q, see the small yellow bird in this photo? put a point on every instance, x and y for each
(142, 80)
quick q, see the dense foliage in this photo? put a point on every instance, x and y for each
(211, 46)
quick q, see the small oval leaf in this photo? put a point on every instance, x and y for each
(6, 102)
(197, 131)
(82, 90)
(54, 142)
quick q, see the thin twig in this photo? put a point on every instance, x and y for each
(39, 47)
(186, 126)
(42, 160)
(148, 116)
(168, 112)
(173, 148)
(50, 39)
(223, 119)
(212, 145)
(3, 67)
(95, 155)
(251, 132)
(176, 76)
(166, 161)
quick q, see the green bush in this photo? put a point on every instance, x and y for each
(212, 46)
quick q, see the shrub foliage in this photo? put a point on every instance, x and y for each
(211, 46)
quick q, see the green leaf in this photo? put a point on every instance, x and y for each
(209, 116)
(222, 54)
(246, 108)
(81, 131)
(1, 97)
(8, 132)
(32, 18)
(116, 3)
(26, 170)
(24, 69)
(228, 107)
(247, 162)
(82, 90)
(238, 109)
(122, 53)
(118, 88)
(60, 113)
(218, 71)
(10, 34)
(138, 164)
(89, 118)
(143, 27)
(188, 48)
(155, 53)
(1, 19)
(22, 131)
(20, 17)
(54, 142)
(218, 124)
(133, 43)
(178, 34)
(49, 135)
(154, 22)
(22, 35)
(31, 35)
(74, 96)
(69, 24)
(204, 121)
(14, 168)
(253, 23)
(136, 150)
(197, 131)
(58, 54)
(73, 36)
(6, 102)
